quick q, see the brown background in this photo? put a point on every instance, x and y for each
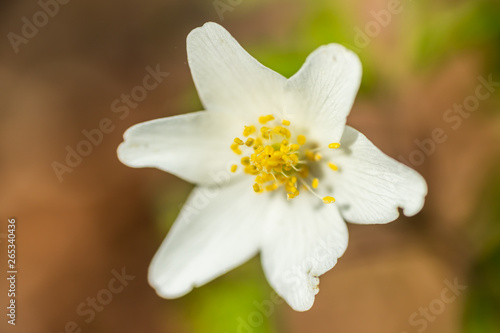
(104, 216)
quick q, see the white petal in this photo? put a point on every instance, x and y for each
(228, 78)
(322, 92)
(194, 146)
(370, 186)
(217, 230)
(303, 240)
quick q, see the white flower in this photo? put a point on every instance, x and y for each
(285, 139)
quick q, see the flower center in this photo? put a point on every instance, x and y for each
(277, 159)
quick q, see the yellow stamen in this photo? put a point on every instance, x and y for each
(251, 170)
(310, 155)
(284, 148)
(328, 200)
(278, 129)
(268, 177)
(272, 163)
(265, 119)
(333, 166)
(334, 145)
(278, 153)
(235, 148)
(264, 131)
(269, 151)
(259, 180)
(290, 188)
(304, 173)
(257, 143)
(249, 130)
(276, 160)
(271, 187)
(285, 132)
(301, 139)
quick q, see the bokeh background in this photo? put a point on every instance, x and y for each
(421, 59)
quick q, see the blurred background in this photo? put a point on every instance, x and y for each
(429, 97)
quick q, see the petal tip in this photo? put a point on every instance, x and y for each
(164, 286)
(204, 29)
(339, 52)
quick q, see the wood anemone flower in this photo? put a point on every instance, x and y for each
(277, 168)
